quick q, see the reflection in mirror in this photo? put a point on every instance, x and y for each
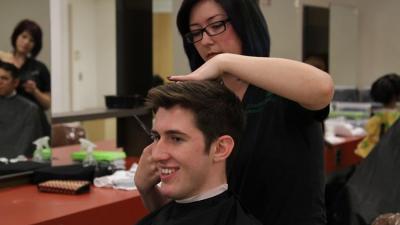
(84, 47)
(84, 60)
(84, 56)
(84, 53)
(24, 43)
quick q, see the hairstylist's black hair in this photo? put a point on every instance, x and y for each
(34, 29)
(245, 17)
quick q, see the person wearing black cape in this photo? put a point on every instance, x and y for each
(195, 127)
(19, 118)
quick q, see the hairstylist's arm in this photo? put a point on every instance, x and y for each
(43, 98)
(146, 179)
(310, 87)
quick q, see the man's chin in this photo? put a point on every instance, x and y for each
(166, 190)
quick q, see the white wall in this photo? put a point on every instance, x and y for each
(106, 46)
(284, 19)
(343, 44)
(377, 45)
(181, 63)
(61, 84)
(87, 31)
(379, 38)
(13, 11)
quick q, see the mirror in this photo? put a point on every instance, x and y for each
(84, 51)
(358, 52)
(88, 53)
(11, 13)
(84, 60)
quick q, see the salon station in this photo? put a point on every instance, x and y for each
(105, 55)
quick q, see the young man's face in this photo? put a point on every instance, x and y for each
(179, 149)
(7, 83)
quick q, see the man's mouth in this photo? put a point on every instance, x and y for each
(167, 173)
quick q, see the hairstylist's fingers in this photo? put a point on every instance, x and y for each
(182, 77)
(176, 78)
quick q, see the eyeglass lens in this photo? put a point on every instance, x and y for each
(211, 29)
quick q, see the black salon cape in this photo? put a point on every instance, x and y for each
(374, 188)
(19, 126)
(223, 209)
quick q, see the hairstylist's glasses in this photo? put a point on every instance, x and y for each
(211, 29)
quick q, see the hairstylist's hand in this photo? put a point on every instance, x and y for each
(147, 175)
(210, 70)
(30, 86)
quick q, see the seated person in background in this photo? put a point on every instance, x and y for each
(195, 128)
(385, 90)
(19, 118)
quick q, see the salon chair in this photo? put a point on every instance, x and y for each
(63, 134)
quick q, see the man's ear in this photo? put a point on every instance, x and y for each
(223, 148)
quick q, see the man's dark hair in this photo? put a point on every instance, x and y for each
(34, 29)
(216, 110)
(247, 20)
(386, 88)
(11, 68)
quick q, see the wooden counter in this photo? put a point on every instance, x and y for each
(341, 156)
(25, 205)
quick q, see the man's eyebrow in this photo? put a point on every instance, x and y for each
(173, 132)
(170, 132)
(153, 132)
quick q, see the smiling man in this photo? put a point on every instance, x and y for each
(19, 118)
(195, 127)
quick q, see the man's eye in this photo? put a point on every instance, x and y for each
(176, 139)
(155, 137)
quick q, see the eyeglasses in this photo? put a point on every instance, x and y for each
(211, 29)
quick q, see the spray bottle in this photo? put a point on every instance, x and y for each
(41, 144)
(88, 146)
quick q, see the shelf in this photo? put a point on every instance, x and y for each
(99, 113)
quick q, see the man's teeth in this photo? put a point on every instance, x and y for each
(167, 171)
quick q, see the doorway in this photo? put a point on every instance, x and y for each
(316, 36)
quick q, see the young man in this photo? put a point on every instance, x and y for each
(19, 118)
(195, 127)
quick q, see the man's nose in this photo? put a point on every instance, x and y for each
(159, 152)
